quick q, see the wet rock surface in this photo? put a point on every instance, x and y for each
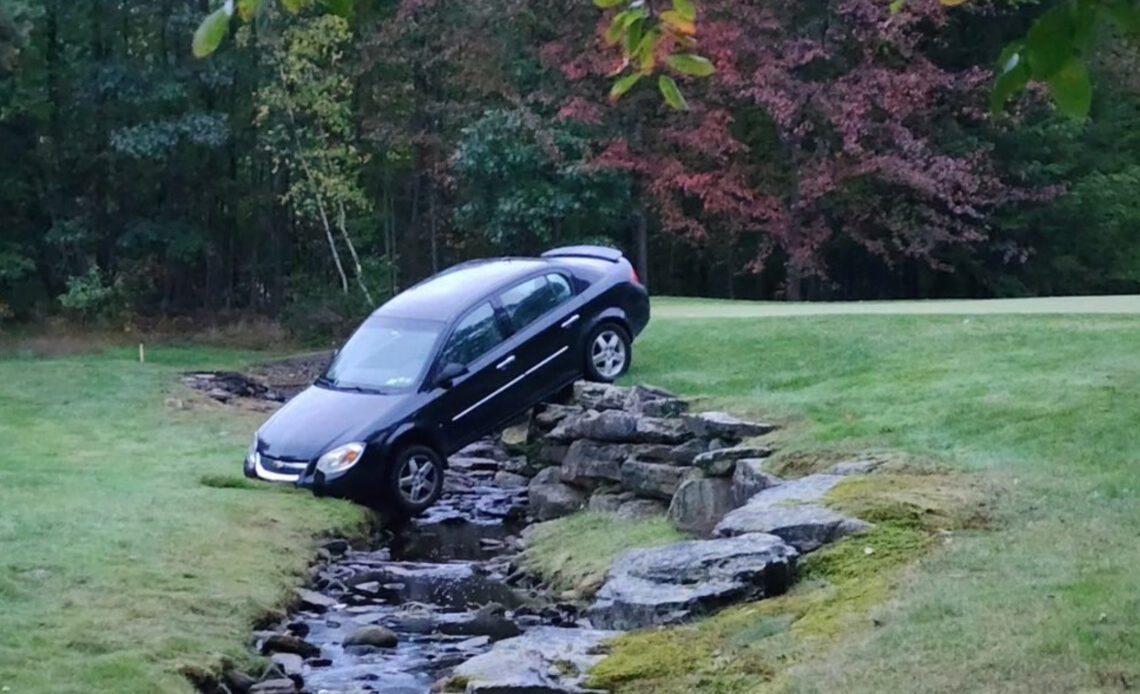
(550, 660)
(674, 583)
(444, 590)
(793, 511)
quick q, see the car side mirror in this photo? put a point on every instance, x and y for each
(447, 375)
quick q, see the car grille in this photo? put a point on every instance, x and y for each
(284, 467)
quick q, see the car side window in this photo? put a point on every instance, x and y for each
(527, 301)
(475, 335)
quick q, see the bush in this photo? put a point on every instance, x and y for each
(91, 296)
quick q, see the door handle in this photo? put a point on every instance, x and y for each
(570, 321)
(505, 363)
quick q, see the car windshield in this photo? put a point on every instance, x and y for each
(384, 354)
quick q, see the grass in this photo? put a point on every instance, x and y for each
(576, 551)
(131, 549)
(1045, 407)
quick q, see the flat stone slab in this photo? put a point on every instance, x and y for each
(793, 512)
(674, 583)
(544, 660)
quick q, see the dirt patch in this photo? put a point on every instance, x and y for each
(265, 386)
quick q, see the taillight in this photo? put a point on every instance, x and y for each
(633, 275)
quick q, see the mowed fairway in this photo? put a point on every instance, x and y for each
(117, 565)
(1047, 405)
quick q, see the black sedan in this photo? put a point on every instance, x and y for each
(447, 362)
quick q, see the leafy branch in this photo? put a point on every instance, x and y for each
(649, 41)
(213, 29)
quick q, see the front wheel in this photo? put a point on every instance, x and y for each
(416, 479)
(608, 353)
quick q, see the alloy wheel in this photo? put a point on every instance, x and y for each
(608, 354)
(418, 479)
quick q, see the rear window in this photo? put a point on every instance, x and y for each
(527, 301)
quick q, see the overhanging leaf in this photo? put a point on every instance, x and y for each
(685, 8)
(1049, 43)
(1071, 89)
(672, 93)
(1012, 76)
(210, 33)
(690, 64)
(624, 85)
(678, 23)
(646, 51)
(607, 4)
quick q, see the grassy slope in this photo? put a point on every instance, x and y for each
(1050, 404)
(117, 566)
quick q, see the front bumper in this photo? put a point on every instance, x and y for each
(353, 483)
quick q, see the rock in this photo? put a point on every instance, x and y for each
(671, 584)
(515, 437)
(282, 685)
(639, 509)
(600, 396)
(653, 480)
(544, 660)
(552, 453)
(654, 402)
(791, 511)
(685, 453)
(587, 463)
(722, 462)
(604, 502)
(238, 681)
(615, 426)
(489, 620)
(699, 504)
(375, 636)
(550, 498)
(549, 415)
(650, 452)
(662, 430)
(511, 480)
(289, 663)
(749, 479)
(723, 425)
(311, 599)
(483, 448)
(336, 546)
(287, 643)
(856, 467)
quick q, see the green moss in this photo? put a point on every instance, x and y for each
(750, 648)
(576, 551)
(922, 502)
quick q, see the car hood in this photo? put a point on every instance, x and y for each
(321, 418)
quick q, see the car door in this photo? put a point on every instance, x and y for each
(476, 401)
(545, 333)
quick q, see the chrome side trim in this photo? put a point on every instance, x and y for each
(571, 320)
(513, 381)
(505, 363)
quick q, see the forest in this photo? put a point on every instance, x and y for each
(317, 163)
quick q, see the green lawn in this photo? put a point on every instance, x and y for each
(118, 567)
(1048, 406)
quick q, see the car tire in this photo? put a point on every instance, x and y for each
(415, 479)
(608, 353)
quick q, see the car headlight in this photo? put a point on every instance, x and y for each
(252, 455)
(341, 458)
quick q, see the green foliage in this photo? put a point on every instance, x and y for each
(528, 184)
(91, 295)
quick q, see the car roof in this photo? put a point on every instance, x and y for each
(443, 296)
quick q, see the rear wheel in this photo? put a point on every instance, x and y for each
(608, 353)
(416, 479)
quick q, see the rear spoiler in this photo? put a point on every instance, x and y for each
(600, 252)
